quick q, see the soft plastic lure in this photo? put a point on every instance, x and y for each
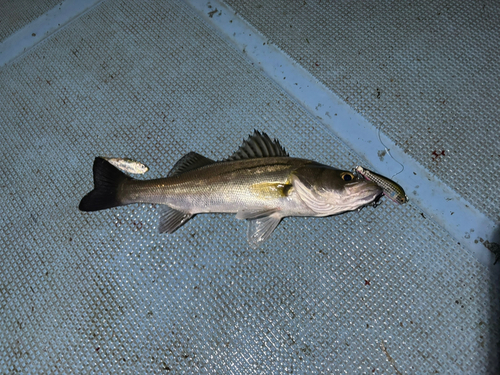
(128, 165)
(391, 189)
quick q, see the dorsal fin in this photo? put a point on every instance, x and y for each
(258, 145)
(189, 162)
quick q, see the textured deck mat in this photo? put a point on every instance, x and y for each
(380, 291)
(17, 14)
(425, 72)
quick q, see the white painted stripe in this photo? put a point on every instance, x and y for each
(439, 202)
(24, 39)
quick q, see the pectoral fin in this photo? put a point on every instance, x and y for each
(261, 228)
(171, 220)
(249, 214)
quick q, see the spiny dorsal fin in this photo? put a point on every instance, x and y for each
(189, 162)
(258, 145)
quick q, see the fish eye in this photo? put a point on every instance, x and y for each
(346, 176)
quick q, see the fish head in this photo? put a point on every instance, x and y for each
(329, 191)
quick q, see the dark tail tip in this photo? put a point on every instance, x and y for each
(107, 181)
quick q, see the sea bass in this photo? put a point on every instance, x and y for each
(260, 183)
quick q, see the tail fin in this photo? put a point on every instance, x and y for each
(107, 181)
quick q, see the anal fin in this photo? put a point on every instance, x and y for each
(171, 219)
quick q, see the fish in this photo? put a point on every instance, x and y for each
(259, 183)
(391, 189)
(127, 165)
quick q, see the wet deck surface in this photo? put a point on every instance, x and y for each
(385, 290)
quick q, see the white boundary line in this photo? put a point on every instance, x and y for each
(22, 40)
(465, 223)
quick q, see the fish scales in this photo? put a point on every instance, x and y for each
(221, 187)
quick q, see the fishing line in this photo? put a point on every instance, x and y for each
(388, 151)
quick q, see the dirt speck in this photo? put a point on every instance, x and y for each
(381, 154)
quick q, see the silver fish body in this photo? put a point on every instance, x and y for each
(391, 189)
(295, 187)
(262, 188)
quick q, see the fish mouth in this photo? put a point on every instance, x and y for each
(365, 192)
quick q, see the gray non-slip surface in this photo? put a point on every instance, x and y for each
(425, 72)
(384, 290)
(15, 14)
